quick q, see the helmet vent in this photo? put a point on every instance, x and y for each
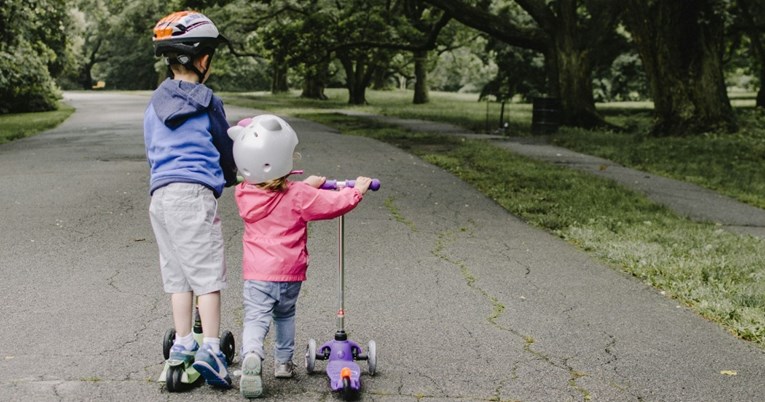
(271, 125)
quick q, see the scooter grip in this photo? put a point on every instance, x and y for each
(331, 184)
(375, 185)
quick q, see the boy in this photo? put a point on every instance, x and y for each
(191, 161)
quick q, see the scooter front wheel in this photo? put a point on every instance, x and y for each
(174, 380)
(310, 356)
(348, 393)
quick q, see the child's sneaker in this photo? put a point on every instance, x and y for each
(251, 384)
(284, 370)
(213, 367)
(179, 353)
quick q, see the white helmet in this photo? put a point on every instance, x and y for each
(263, 147)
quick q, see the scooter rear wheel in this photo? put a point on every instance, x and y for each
(167, 342)
(372, 357)
(228, 346)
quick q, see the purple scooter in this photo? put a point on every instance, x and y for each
(343, 372)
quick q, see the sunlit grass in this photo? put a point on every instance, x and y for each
(19, 125)
(729, 163)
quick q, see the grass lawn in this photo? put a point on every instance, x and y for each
(719, 274)
(19, 125)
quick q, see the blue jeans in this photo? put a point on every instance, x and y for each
(264, 301)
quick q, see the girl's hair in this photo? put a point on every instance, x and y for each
(279, 184)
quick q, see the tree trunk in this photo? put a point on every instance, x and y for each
(86, 76)
(380, 78)
(357, 78)
(315, 82)
(573, 68)
(752, 14)
(680, 43)
(313, 88)
(421, 77)
(279, 82)
(565, 38)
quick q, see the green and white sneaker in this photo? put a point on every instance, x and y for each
(251, 383)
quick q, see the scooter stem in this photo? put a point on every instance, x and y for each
(341, 274)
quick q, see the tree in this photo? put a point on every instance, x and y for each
(88, 35)
(567, 32)
(128, 45)
(681, 46)
(752, 15)
(33, 51)
(422, 22)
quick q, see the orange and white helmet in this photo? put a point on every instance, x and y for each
(186, 33)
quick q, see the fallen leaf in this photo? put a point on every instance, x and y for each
(728, 372)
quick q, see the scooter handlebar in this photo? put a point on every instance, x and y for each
(331, 184)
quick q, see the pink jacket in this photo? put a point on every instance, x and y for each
(275, 227)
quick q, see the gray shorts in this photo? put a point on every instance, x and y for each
(188, 231)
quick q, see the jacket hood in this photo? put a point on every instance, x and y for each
(175, 101)
(256, 203)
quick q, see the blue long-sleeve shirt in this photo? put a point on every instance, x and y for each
(185, 133)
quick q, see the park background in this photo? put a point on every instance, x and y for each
(673, 88)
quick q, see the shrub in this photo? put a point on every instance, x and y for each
(25, 83)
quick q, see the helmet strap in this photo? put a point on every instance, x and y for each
(201, 74)
(188, 63)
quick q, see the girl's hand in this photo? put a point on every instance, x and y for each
(315, 181)
(362, 184)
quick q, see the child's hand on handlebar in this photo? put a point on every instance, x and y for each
(315, 181)
(362, 184)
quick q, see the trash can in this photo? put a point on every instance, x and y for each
(545, 115)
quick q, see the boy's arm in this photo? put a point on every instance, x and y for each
(225, 145)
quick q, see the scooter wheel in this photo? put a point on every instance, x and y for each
(174, 381)
(310, 356)
(167, 342)
(372, 357)
(348, 393)
(228, 346)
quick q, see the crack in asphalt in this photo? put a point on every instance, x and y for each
(447, 237)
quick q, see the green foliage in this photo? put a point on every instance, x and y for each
(33, 50)
(25, 84)
(131, 60)
(519, 72)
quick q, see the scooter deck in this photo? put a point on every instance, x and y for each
(341, 364)
(338, 369)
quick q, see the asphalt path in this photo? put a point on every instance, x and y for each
(465, 301)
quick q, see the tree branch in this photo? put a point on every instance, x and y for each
(500, 28)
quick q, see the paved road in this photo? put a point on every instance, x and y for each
(465, 302)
